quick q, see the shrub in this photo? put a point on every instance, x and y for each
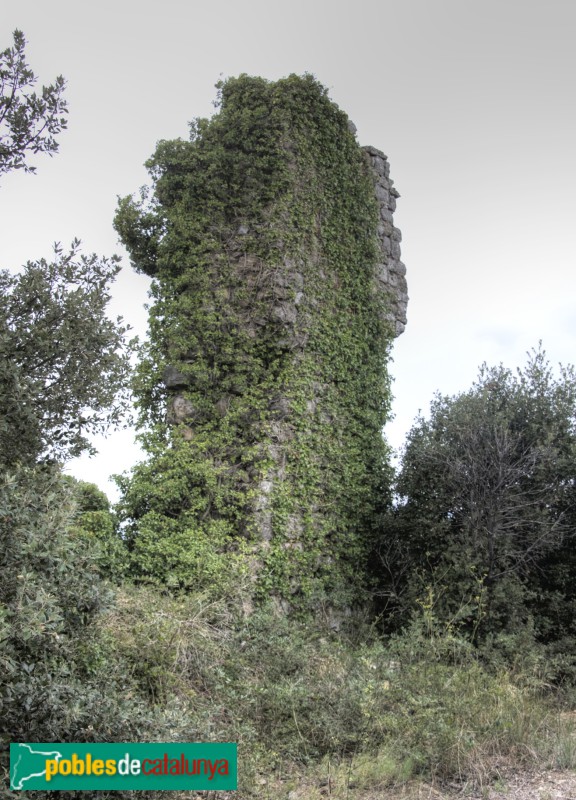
(57, 681)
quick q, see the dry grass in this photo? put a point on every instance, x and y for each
(316, 717)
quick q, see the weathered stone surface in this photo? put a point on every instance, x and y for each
(285, 312)
(382, 194)
(180, 409)
(390, 271)
(223, 406)
(174, 379)
(280, 407)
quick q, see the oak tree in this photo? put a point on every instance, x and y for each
(487, 498)
(29, 121)
(64, 365)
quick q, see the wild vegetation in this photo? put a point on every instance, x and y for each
(29, 122)
(484, 521)
(463, 663)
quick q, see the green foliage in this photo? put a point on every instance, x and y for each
(95, 523)
(64, 673)
(28, 121)
(268, 211)
(487, 504)
(180, 531)
(294, 694)
(88, 496)
(64, 366)
(448, 714)
(63, 375)
(51, 599)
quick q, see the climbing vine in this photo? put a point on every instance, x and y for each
(263, 388)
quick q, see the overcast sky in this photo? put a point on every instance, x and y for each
(473, 102)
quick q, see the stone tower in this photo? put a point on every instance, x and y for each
(278, 289)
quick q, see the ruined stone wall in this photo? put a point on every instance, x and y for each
(280, 288)
(390, 271)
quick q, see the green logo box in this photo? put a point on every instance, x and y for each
(184, 766)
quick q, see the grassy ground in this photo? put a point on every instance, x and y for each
(320, 715)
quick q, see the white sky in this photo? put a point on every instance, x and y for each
(472, 102)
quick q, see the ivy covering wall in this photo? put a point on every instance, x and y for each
(263, 388)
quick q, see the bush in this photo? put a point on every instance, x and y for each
(98, 527)
(57, 680)
(290, 693)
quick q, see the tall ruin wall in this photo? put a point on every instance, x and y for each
(279, 288)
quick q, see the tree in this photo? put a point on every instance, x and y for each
(28, 121)
(97, 525)
(64, 370)
(64, 366)
(487, 497)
